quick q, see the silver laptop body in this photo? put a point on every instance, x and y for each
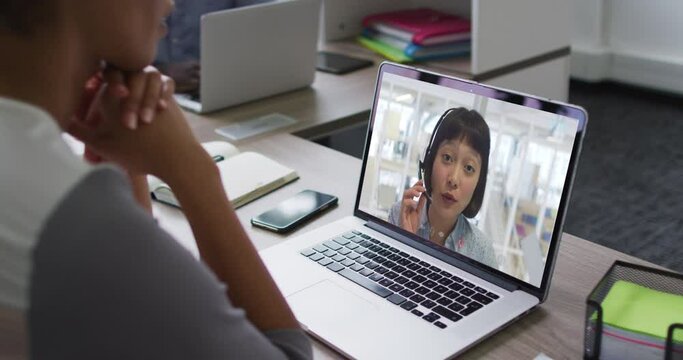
(255, 51)
(353, 283)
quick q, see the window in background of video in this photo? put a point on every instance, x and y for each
(528, 163)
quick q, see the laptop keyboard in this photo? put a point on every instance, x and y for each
(407, 281)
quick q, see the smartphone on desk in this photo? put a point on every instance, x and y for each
(294, 211)
(339, 63)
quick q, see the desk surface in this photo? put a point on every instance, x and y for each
(554, 328)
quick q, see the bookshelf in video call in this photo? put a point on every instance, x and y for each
(522, 45)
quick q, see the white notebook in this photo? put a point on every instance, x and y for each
(246, 175)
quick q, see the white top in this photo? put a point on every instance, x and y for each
(31, 146)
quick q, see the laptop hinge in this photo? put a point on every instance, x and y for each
(434, 251)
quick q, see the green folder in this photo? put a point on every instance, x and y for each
(385, 50)
(637, 308)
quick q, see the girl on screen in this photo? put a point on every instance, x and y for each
(451, 187)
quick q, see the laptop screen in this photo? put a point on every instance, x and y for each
(475, 172)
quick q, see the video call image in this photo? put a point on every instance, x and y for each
(477, 176)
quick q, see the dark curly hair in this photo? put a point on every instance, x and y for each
(467, 126)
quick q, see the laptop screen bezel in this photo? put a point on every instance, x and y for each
(452, 257)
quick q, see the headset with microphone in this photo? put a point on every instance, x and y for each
(428, 153)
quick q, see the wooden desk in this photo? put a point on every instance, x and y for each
(555, 328)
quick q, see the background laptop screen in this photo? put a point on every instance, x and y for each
(499, 208)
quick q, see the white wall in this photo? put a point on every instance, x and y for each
(587, 30)
(632, 41)
(651, 27)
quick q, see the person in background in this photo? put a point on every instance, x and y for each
(178, 53)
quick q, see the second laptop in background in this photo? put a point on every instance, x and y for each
(253, 52)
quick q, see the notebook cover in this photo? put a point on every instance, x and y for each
(423, 23)
(246, 176)
(385, 50)
(437, 52)
(393, 41)
(413, 51)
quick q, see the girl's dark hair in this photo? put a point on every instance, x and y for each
(467, 126)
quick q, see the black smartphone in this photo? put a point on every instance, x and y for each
(339, 64)
(292, 212)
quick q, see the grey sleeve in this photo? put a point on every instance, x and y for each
(108, 283)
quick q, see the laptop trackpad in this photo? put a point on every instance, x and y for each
(327, 302)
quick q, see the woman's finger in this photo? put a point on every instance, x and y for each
(91, 156)
(80, 131)
(168, 89)
(90, 92)
(421, 203)
(117, 82)
(411, 193)
(131, 106)
(152, 94)
(409, 215)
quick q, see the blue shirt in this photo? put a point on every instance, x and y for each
(465, 239)
(182, 42)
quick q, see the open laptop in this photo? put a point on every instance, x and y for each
(253, 52)
(370, 289)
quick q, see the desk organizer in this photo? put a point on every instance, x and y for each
(635, 312)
